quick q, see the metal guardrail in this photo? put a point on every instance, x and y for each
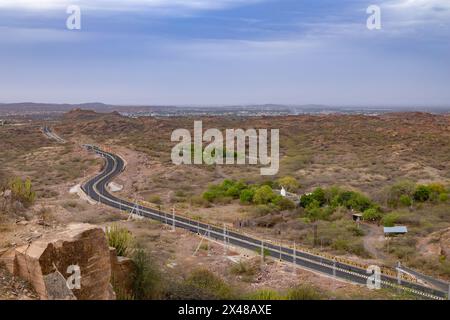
(440, 284)
(384, 270)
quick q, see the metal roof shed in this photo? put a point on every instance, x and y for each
(395, 230)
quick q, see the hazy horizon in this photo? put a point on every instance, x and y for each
(226, 52)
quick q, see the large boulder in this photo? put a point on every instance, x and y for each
(56, 256)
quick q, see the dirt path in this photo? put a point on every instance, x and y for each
(373, 240)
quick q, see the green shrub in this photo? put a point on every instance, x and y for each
(23, 191)
(289, 183)
(319, 195)
(209, 196)
(306, 200)
(436, 189)
(390, 219)
(206, 281)
(422, 193)
(405, 200)
(404, 187)
(303, 292)
(245, 269)
(233, 192)
(354, 200)
(227, 189)
(199, 201)
(146, 278)
(247, 195)
(335, 197)
(263, 195)
(155, 199)
(340, 244)
(264, 294)
(372, 214)
(314, 212)
(119, 238)
(262, 209)
(443, 197)
(283, 203)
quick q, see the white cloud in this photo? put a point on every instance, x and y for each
(126, 5)
(420, 10)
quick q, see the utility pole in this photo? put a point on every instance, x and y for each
(315, 234)
(225, 239)
(280, 251)
(209, 240)
(448, 294)
(173, 219)
(295, 259)
(262, 253)
(399, 274)
(334, 271)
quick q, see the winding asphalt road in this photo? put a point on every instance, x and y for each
(96, 189)
(51, 135)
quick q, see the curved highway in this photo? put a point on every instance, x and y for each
(96, 189)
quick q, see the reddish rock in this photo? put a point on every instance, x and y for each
(122, 272)
(81, 245)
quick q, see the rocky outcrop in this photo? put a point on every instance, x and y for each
(436, 244)
(122, 269)
(54, 264)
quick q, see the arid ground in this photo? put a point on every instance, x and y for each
(369, 155)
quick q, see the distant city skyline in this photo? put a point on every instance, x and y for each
(226, 52)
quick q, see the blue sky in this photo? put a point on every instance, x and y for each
(226, 52)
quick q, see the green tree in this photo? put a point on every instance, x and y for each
(319, 195)
(233, 192)
(247, 195)
(422, 193)
(209, 196)
(436, 189)
(289, 183)
(372, 214)
(263, 195)
(306, 200)
(390, 219)
(404, 187)
(23, 191)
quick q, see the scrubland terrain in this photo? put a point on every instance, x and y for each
(394, 169)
